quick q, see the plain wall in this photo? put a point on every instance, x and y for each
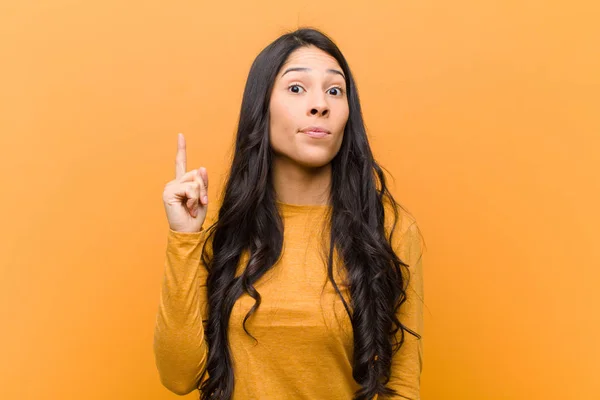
(485, 113)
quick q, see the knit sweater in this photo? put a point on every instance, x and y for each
(304, 334)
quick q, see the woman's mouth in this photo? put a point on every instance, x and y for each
(316, 134)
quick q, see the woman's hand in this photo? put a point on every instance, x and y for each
(186, 197)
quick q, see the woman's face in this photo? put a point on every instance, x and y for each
(309, 91)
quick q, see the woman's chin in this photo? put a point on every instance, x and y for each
(314, 162)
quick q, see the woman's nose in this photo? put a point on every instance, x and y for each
(318, 104)
(319, 110)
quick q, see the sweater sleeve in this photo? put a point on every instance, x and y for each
(180, 349)
(407, 362)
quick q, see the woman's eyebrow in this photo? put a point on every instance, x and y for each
(332, 71)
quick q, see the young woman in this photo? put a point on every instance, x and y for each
(308, 284)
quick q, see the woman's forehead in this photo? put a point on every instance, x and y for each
(310, 58)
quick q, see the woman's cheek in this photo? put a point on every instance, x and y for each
(290, 120)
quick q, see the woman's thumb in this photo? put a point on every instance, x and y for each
(192, 205)
(204, 192)
(204, 175)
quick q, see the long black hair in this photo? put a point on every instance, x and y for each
(249, 220)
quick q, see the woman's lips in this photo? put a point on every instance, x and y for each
(316, 134)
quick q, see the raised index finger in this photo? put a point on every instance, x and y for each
(180, 158)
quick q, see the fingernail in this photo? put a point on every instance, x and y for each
(205, 199)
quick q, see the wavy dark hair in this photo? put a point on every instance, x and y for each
(249, 220)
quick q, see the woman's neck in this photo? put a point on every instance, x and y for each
(299, 185)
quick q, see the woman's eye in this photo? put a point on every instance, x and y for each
(292, 87)
(339, 91)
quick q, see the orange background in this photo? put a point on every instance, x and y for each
(485, 113)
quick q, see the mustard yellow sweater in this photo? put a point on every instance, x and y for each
(304, 334)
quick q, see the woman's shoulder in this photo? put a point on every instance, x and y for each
(405, 221)
(407, 239)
